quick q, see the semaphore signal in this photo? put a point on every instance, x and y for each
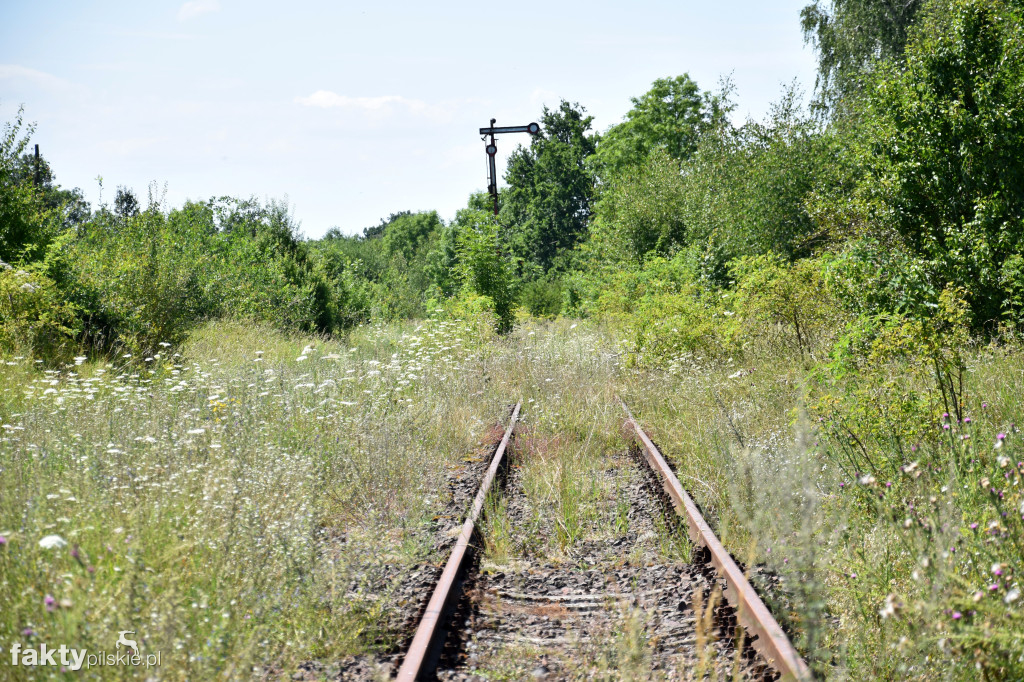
(492, 150)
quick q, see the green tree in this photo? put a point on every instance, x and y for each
(671, 116)
(850, 36)
(940, 154)
(551, 189)
(408, 233)
(26, 225)
(641, 212)
(485, 268)
(70, 206)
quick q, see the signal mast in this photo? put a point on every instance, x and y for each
(492, 150)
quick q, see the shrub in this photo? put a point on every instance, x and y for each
(34, 318)
(542, 297)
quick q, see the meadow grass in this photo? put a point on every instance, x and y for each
(221, 499)
(224, 500)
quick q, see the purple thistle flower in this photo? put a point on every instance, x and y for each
(945, 427)
(28, 632)
(956, 615)
(974, 526)
(1000, 436)
(3, 541)
(50, 602)
(945, 415)
(967, 420)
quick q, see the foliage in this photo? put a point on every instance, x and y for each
(784, 308)
(34, 317)
(551, 189)
(26, 224)
(139, 280)
(670, 117)
(749, 186)
(664, 313)
(940, 155)
(541, 297)
(641, 213)
(485, 269)
(850, 36)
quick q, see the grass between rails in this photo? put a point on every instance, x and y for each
(221, 502)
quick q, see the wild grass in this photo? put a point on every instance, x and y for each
(225, 500)
(221, 498)
(893, 527)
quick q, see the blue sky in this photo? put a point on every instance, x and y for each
(353, 110)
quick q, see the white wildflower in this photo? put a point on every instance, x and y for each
(53, 542)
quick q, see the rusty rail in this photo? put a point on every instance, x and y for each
(418, 657)
(767, 637)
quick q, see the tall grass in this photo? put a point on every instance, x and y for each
(222, 498)
(225, 501)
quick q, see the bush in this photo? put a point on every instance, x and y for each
(34, 318)
(784, 308)
(542, 297)
(665, 314)
(485, 270)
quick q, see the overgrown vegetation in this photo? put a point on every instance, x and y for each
(817, 313)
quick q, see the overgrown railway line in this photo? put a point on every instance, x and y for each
(645, 617)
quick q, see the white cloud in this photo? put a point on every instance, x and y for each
(325, 99)
(45, 80)
(540, 97)
(378, 106)
(39, 79)
(195, 8)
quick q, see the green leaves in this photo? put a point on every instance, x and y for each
(671, 117)
(551, 189)
(939, 152)
(485, 266)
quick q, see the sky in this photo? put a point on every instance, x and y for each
(352, 111)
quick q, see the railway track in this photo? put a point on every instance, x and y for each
(641, 603)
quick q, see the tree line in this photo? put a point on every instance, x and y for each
(901, 181)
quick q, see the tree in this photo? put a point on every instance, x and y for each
(851, 35)
(641, 212)
(407, 233)
(551, 189)
(28, 224)
(126, 204)
(484, 269)
(671, 116)
(69, 204)
(940, 154)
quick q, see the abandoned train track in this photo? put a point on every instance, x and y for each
(563, 622)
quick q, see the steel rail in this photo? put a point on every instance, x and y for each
(767, 637)
(417, 659)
